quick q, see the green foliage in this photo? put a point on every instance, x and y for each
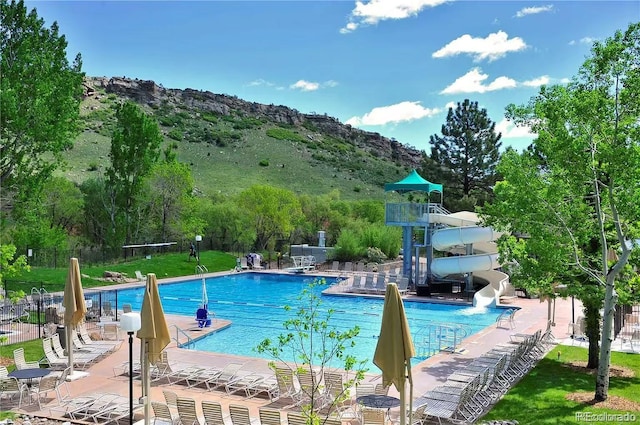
(348, 246)
(375, 255)
(284, 134)
(574, 192)
(93, 166)
(10, 265)
(465, 157)
(175, 134)
(264, 163)
(169, 186)
(135, 148)
(39, 98)
(273, 213)
(315, 344)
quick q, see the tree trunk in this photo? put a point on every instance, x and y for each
(602, 379)
(592, 331)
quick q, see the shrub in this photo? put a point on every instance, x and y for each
(175, 134)
(284, 134)
(264, 163)
(348, 246)
(93, 166)
(375, 255)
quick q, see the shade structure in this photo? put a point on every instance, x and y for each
(74, 305)
(205, 297)
(395, 348)
(154, 336)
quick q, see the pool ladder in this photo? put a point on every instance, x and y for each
(201, 269)
(179, 332)
(438, 337)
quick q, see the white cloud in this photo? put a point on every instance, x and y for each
(583, 40)
(374, 11)
(537, 82)
(473, 82)
(533, 10)
(400, 112)
(510, 131)
(304, 85)
(494, 46)
(260, 82)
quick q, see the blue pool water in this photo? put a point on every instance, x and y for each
(254, 302)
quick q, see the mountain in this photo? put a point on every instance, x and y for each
(232, 144)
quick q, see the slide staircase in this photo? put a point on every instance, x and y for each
(463, 230)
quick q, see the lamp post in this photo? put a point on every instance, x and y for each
(130, 323)
(198, 239)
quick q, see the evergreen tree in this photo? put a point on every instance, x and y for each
(465, 157)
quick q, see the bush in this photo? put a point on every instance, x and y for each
(348, 246)
(375, 255)
(284, 134)
(93, 166)
(175, 134)
(264, 163)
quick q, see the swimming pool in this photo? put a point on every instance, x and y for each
(254, 302)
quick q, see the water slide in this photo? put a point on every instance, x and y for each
(463, 231)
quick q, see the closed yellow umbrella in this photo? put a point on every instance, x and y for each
(154, 335)
(395, 348)
(74, 305)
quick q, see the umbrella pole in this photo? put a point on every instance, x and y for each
(146, 384)
(410, 378)
(68, 341)
(403, 407)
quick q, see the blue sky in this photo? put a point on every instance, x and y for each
(389, 66)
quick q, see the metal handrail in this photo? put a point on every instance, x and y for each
(438, 337)
(201, 269)
(177, 338)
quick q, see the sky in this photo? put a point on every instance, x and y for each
(388, 66)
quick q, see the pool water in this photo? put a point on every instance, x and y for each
(255, 303)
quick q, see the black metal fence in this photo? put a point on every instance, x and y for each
(36, 315)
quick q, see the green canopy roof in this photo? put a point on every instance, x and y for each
(413, 182)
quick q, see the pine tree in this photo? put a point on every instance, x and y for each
(465, 157)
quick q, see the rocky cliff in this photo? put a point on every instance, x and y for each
(149, 93)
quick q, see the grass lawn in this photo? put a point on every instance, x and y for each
(540, 397)
(163, 265)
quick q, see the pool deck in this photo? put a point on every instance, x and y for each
(426, 374)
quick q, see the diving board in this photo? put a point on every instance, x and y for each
(302, 263)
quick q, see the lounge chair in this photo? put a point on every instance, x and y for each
(240, 415)
(296, 419)
(269, 416)
(226, 375)
(286, 386)
(348, 267)
(126, 308)
(46, 385)
(212, 411)
(21, 363)
(403, 285)
(267, 384)
(162, 415)
(373, 416)
(140, 276)
(338, 397)
(174, 373)
(368, 287)
(106, 309)
(10, 388)
(170, 398)
(506, 318)
(187, 411)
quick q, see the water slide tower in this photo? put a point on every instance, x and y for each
(410, 215)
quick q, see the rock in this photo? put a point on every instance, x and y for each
(112, 275)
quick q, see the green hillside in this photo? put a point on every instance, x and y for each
(228, 153)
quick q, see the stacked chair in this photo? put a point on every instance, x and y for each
(469, 391)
